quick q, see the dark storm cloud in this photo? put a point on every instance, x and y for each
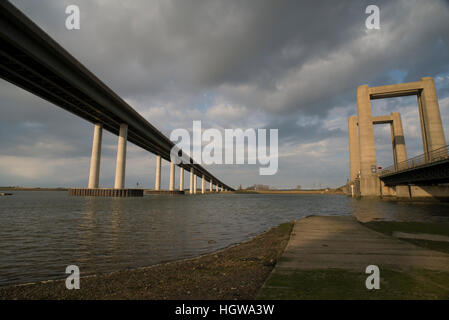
(157, 48)
(291, 63)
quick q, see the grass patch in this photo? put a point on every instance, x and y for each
(337, 284)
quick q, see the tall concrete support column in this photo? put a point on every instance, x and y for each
(369, 181)
(94, 173)
(191, 180)
(203, 185)
(157, 184)
(181, 179)
(433, 133)
(354, 154)
(399, 156)
(121, 157)
(172, 177)
(194, 183)
(398, 140)
(210, 185)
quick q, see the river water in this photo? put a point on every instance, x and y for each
(42, 232)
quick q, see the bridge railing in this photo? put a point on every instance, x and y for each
(418, 161)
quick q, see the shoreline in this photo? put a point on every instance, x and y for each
(234, 272)
(312, 191)
(244, 270)
(329, 192)
(32, 189)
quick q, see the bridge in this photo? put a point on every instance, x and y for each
(418, 177)
(430, 168)
(32, 60)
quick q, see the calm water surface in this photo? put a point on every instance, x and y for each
(41, 232)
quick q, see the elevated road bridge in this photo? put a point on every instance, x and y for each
(32, 60)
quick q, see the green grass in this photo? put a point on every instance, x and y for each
(388, 227)
(337, 284)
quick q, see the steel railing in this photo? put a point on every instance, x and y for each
(418, 161)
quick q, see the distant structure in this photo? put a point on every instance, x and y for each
(258, 187)
(407, 178)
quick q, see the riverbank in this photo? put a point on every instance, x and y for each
(237, 272)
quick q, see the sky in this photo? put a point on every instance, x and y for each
(287, 65)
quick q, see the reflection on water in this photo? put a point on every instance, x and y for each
(43, 232)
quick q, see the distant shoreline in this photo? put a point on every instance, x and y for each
(31, 189)
(292, 191)
(317, 191)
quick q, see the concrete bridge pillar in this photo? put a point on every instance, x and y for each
(181, 179)
(210, 185)
(354, 154)
(121, 157)
(94, 173)
(369, 182)
(194, 183)
(191, 180)
(431, 125)
(157, 184)
(203, 185)
(398, 140)
(172, 177)
(399, 155)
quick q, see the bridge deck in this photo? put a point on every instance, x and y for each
(428, 168)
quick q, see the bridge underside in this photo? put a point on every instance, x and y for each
(429, 174)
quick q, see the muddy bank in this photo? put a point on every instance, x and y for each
(237, 272)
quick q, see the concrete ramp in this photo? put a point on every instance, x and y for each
(341, 242)
(326, 258)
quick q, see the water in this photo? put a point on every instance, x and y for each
(42, 232)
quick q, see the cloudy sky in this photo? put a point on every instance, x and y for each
(289, 65)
